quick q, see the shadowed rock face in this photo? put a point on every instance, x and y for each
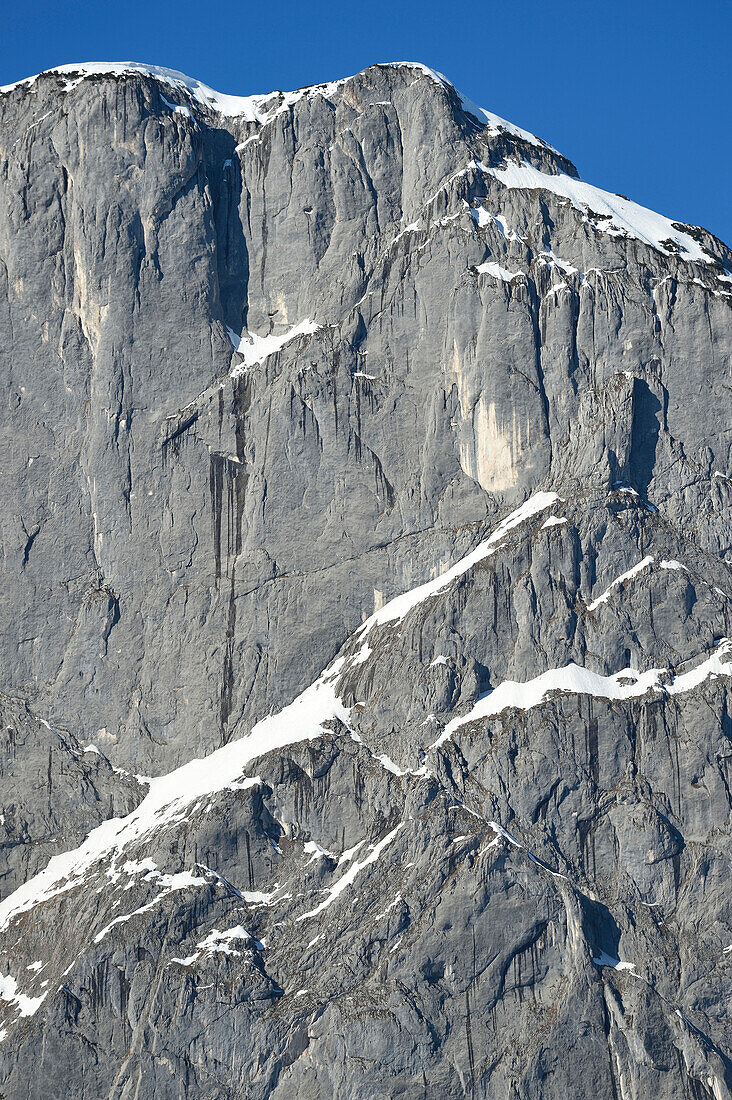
(356, 397)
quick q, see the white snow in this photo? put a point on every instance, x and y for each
(672, 565)
(715, 665)
(26, 1006)
(348, 877)
(171, 797)
(413, 227)
(623, 217)
(131, 867)
(140, 866)
(178, 110)
(483, 218)
(259, 897)
(350, 852)
(553, 261)
(392, 905)
(629, 683)
(388, 763)
(255, 349)
(500, 831)
(603, 959)
(363, 655)
(553, 521)
(315, 851)
(496, 124)
(250, 108)
(498, 272)
(169, 884)
(397, 608)
(438, 661)
(243, 144)
(256, 108)
(487, 118)
(619, 581)
(221, 941)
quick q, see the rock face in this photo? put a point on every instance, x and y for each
(367, 487)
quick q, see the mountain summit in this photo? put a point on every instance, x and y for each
(365, 617)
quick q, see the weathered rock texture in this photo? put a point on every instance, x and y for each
(434, 875)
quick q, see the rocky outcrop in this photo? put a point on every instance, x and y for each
(358, 397)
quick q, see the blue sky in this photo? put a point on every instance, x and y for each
(635, 93)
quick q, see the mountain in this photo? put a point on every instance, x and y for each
(365, 605)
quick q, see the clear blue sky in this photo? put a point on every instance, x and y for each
(635, 92)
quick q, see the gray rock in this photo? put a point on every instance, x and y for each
(417, 892)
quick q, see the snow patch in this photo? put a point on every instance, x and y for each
(171, 798)
(255, 898)
(262, 108)
(397, 608)
(498, 272)
(500, 831)
(347, 879)
(178, 110)
(497, 125)
(387, 763)
(251, 108)
(629, 683)
(315, 851)
(619, 581)
(255, 349)
(392, 905)
(603, 959)
(27, 1006)
(615, 215)
(553, 261)
(217, 941)
(169, 884)
(484, 218)
(350, 852)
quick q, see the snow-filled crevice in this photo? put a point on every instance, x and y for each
(628, 683)
(255, 349)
